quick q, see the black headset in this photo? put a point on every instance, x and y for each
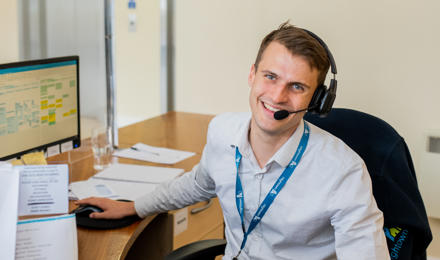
(323, 98)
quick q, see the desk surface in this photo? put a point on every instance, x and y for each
(178, 130)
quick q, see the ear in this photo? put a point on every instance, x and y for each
(251, 76)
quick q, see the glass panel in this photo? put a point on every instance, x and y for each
(53, 28)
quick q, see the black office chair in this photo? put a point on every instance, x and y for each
(199, 250)
(392, 173)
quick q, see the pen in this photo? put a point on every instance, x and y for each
(137, 149)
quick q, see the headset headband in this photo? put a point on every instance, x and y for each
(327, 50)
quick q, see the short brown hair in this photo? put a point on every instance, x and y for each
(298, 42)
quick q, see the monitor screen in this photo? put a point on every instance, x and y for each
(39, 105)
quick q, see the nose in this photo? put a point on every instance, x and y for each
(279, 94)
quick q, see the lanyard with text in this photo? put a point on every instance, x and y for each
(276, 188)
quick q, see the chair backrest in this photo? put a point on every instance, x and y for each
(389, 163)
(200, 250)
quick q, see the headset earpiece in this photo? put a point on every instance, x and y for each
(316, 99)
(326, 104)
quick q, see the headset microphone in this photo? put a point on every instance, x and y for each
(280, 115)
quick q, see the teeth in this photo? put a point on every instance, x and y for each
(270, 107)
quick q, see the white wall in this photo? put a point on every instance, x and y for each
(386, 51)
(137, 61)
(8, 31)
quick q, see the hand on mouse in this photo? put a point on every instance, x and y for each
(112, 209)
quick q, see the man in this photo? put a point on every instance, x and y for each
(288, 189)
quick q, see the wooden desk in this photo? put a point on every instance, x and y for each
(153, 236)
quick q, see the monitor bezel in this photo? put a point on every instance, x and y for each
(76, 139)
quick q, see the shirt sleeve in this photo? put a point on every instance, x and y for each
(357, 221)
(191, 187)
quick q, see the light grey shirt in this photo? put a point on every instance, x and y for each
(326, 210)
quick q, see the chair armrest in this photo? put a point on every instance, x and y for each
(203, 249)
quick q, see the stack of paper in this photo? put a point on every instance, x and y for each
(149, 153)
(36, 190)
(47, 238)
(123, 181)
(8, 210)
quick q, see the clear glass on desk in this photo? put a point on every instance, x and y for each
(102, 146)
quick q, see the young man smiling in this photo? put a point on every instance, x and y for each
(288, 189)
(280, 81)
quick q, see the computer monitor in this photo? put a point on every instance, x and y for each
(39, 105)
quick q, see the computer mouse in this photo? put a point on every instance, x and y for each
(86, 210)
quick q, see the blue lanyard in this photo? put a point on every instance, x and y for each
(276, 188)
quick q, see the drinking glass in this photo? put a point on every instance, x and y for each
(102, 147)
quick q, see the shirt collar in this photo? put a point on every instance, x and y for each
(285, 154)
(242, 139)
(282, 156)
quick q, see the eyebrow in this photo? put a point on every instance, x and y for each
(289, 83)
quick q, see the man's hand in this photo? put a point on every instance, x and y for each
(112, 209)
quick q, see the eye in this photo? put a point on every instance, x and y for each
(297, 87)
(270, 76)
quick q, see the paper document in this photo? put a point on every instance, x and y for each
(149, 153)
(123, 181)
(47, 238)
(9, 182)
(110, 189)
(91, 188)
(43, 189)
(138, 173)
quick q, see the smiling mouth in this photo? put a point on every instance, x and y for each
(270, 108)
